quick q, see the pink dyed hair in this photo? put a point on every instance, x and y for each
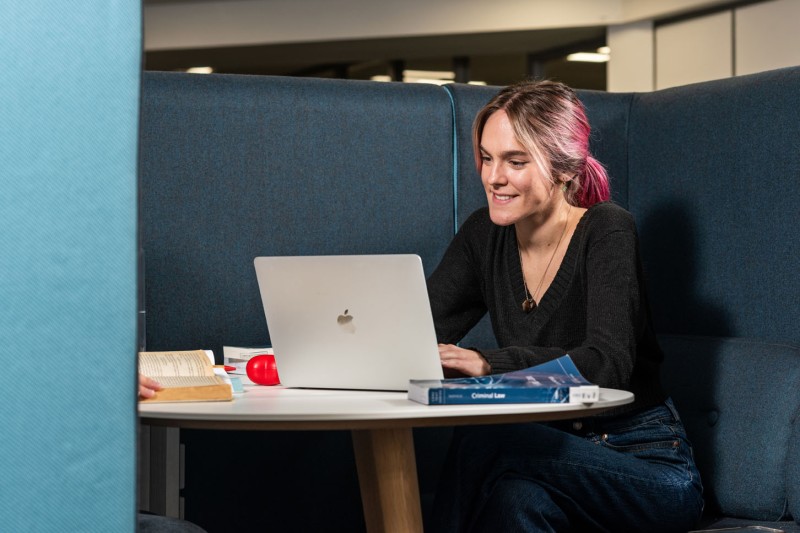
(550, 121)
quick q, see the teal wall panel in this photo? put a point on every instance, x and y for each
(69, 104)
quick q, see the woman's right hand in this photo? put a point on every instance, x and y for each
(462, 361)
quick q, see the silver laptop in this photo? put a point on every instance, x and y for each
(349, 321)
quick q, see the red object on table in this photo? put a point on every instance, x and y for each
(261, 369)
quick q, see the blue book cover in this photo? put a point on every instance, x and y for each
(556, 381)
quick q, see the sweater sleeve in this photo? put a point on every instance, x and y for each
(454, 288)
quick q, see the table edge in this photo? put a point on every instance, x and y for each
(435, 419)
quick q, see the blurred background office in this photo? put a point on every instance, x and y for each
(615, 45)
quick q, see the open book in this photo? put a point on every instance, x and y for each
(556, 381)
(185, 376)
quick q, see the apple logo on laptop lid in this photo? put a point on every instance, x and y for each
(345, 320)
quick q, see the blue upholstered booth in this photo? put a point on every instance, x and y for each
(234, 167)
(68, 146)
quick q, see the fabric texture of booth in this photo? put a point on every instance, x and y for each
(273, 166)
(68, 143)
(713, 171)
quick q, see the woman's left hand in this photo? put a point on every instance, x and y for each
(147, 386)
(467, 362)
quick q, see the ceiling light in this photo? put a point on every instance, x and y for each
(200, 70)
(430, 74)
(432, 81)
(588, 57)
(436, 77)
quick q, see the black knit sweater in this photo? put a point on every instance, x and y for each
(595, 309)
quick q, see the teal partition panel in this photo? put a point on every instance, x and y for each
(69, 100)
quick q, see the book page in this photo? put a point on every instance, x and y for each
(183, 363)
(169, 382)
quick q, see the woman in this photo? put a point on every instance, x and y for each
(558, 269)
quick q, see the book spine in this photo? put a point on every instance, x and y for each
(581, 394)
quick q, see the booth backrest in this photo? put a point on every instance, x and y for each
(714, 171)
(68, 145)
(236, 167)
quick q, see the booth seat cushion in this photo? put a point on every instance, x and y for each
(757, 526)
(739, 401)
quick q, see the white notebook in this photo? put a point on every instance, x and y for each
(349, 321)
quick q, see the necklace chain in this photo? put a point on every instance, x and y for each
(529, 303)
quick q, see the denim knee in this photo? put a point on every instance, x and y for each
(516, 504)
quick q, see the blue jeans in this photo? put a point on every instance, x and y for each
(628, 473)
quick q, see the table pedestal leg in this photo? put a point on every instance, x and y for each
(160, 470)
(387, 474)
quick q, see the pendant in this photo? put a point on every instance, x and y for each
(528, 305)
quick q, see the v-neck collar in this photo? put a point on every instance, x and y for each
(552, 296)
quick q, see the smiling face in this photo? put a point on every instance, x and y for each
(516, 188)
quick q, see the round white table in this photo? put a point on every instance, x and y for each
(381, 424)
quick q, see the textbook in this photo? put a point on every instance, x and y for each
(185, 376)
(557, 381)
